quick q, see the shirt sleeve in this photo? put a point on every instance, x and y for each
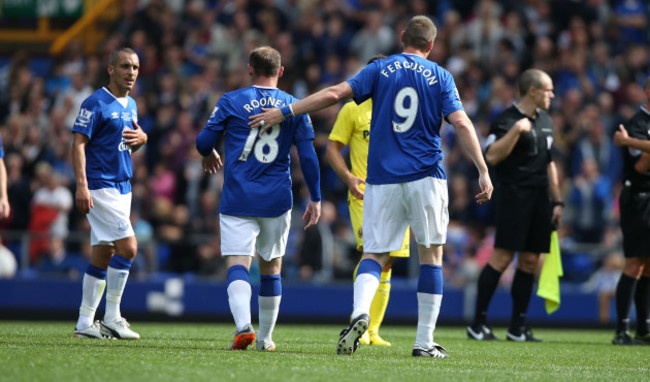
(304, 128)
(310, 168)
(638, 131)
(219, 116)
(88, 116)
(450, 97)
(364, 82)
(344, 126)
(498, 129)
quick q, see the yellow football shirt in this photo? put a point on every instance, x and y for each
(352, 127)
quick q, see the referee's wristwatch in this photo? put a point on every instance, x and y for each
(558, 203)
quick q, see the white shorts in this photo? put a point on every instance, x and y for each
(389, 208)
(109, 217)
(240, 234)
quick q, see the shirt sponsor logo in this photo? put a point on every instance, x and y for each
(123, 146)
(126, 116)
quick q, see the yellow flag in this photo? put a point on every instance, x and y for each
(549, 279)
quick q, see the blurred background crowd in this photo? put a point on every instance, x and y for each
(192, 52)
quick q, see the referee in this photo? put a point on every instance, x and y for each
(519, 149)
(634, 282)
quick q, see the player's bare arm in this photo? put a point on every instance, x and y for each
(468, 138)
(336, 160)
(502, 147)
(5, 208)
(135, 138)
(556, 194)
(317, 101)
(642, 165)
(621, 138)
(212, 163)
(312, 214)
(83, 199)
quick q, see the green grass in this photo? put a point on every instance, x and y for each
(46, 351)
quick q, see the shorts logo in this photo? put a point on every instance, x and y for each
(84, 116)
(122, 226)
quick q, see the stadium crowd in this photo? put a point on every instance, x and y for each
(193, 52)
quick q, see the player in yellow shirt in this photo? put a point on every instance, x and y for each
(352, 127)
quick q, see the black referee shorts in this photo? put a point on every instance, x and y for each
(523, 218)
(635, 222)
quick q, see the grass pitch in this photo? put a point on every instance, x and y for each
(46, 351)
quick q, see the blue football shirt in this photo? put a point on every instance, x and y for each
(103, 119)
(257, 180)
(411, 96)
(2, 150)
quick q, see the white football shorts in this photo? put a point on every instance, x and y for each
(389, 208)
(240, 234)
(109, 217)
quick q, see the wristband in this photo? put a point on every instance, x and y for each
(560, 203)
(287, 112)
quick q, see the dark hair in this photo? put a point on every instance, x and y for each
(375, 58)
(112, 58)
(419, 32)
(265, 61)
(531, 78)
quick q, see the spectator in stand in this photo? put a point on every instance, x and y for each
(51, 205)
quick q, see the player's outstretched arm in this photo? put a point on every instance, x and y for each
(319, 100)
(336, 160)
(83, 199)
(135, 138)
(621, 138)
(468, 138)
